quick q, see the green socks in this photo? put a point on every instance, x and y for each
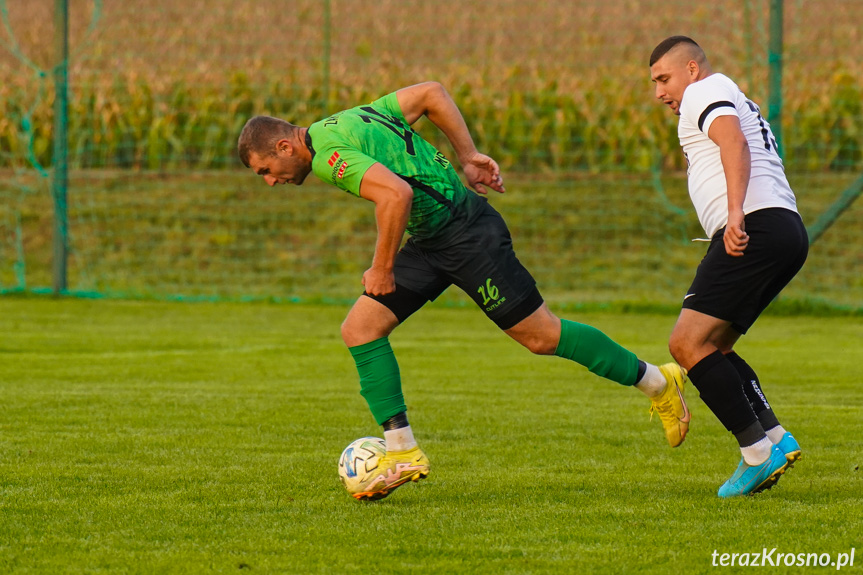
(597, 352)
(380, 381)
(381, 384)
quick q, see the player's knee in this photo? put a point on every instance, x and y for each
(358, 331)
(678, 347)
(539, 345)
(351, 333)
(347, 335)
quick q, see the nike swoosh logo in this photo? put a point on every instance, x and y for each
(686, 415)
(687, 296)
(393, 476)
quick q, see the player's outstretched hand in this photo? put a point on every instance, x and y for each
(482, 171)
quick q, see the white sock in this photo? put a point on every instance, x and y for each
(758, 452)
(775, 434)
(400, 439)
(653, 383)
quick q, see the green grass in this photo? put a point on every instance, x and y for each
(141, 437)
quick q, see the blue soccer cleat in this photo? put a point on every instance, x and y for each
(751, 479)
(790, 448)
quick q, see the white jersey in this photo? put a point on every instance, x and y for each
(703, 102)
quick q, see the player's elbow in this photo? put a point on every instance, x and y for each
(421, 100)
(735, 151)
(396, 198)
(406, 200)
(434, 96)
(434, 89)
(738, 143)
(404, 194)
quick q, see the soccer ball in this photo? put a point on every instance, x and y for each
(359, 460)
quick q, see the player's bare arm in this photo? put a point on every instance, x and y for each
(736, 163)
(392, 197)
(431, 99)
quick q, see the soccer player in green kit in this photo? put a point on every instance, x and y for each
(456, 237)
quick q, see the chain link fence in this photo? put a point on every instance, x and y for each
(558, 92)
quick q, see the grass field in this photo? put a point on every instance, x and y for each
(141, 437)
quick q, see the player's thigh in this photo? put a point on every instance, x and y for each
(539, 332)
(737, 289)
(485, 266)
(368, 320)
(417, 282)
(778, 247)
(694, 330)
(781, 235)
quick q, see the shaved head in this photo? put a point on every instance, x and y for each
(260, 135)
(679, 47)
(676, 63)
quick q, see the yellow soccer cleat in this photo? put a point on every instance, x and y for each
(671, 406)
(394, 470)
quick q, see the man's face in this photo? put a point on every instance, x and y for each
(283, 168)
(671, 74)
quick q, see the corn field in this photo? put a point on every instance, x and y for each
(535, 92)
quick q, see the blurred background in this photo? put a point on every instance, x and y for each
(155, 203)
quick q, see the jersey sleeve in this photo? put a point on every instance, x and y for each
(342, 165)
(337, 161)
(706, 101)
(390, 103)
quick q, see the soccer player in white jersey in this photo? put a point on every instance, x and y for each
(757, 244)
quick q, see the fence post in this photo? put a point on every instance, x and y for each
(59, 183)
(326, 59)
(774, 57)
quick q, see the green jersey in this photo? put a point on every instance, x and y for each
(347, 144)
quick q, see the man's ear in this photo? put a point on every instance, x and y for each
(692, 68)
(284, 146)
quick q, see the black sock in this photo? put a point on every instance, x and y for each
(721, 389)
(754, 393)
(642, 369)
(396, 421)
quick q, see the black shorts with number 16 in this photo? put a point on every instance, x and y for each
(482, 262)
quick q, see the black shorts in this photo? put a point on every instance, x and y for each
(738, 289)
(481, 262)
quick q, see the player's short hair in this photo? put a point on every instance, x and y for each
(260, 135)
(666, 45)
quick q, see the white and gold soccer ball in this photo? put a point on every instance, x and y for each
(359, 460)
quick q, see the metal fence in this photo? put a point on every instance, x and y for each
(131, 187)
